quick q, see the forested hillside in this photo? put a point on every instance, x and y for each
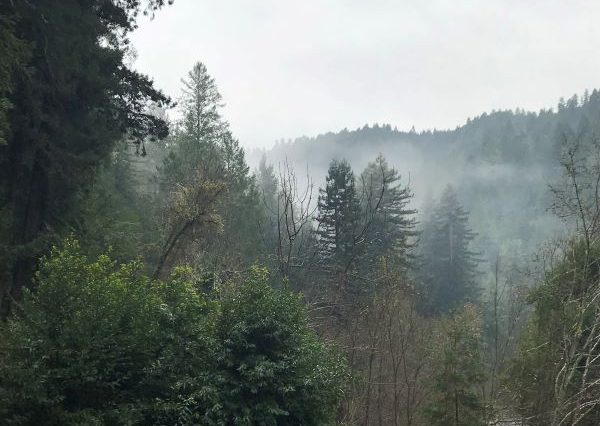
(501, 164)
(152, 274)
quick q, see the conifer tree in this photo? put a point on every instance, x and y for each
(340, 239)
(448, 266)
(338, 219)
(267, 182)
(204, 153)
(459, 368)
(392, 226)
(71, 97)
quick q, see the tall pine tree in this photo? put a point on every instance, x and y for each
(203, 153)
(70, 99)
(449, 266)
(339, 222)
(391, 227)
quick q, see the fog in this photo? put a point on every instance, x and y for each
(288, 69)
(341, 212)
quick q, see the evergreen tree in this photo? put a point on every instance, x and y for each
(204, 153)
(338, 218)
(14, 53)
(459, 368)
(392, 223)
(200, 138)
(448, 268)
(267, 183)
(71, 99)
(268, 187)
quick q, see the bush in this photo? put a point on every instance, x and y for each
(99, 343)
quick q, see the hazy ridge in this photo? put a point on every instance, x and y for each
(501, 165)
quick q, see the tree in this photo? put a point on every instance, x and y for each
(15, 53)
(289, 213)
(203, 153)
(448, 269)
(199, 138)
(267, 183)
(338, 221)
(192, 211)
(275, 370)
(390, 351)
(71, 99)
(459, 369)
(392, 227)
(102, 344)
(268, 186)
(555, 372)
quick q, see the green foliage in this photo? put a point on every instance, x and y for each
(276, 371)
(116, 213)
(448, 269)
(99, 343)
(14, 53)
(391, 230)
(339, 215)
(554, 372)
(201, 151)
(459, 368)
(72, 99)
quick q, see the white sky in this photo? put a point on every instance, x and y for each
(288, 68)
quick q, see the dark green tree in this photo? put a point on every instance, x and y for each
(459, 368)
(448, 266)
(391, 231)
(275, 371)
(71, 99)
(338, 221)
(15, 53)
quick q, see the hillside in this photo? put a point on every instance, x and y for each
(501, 165)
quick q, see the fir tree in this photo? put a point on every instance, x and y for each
(204, 153)
(338, 231)
(338, 219)
(448, 268)
(459, 368)
(392, 223)
(71, 98)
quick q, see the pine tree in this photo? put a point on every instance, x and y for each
(338, 216)
(70, 100)
(392, 223)
(338, 229)
(204, 153)
(448, 266)
(459, 368)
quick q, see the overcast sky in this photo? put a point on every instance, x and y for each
(288, 68)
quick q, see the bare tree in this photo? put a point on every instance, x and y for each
(577, 377)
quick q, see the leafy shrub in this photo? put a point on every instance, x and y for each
(98, 343)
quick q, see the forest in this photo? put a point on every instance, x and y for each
(155, 272)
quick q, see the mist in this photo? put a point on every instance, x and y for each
(299, 213)
(308, 68)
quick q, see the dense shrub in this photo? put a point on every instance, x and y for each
(98, 343)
